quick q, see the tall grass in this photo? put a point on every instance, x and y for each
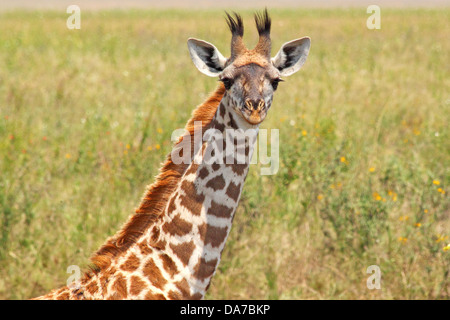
(86, 118)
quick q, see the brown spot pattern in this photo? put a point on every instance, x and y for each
(196, 296)
(233, 191)
(205, 269)
(174, 295)
(222, 110)
(184, 288)
(120, 287)
(203, 173)
(171, 207)
(217, 125)
(183, 251)
(212, 235)
(191, 200)
(219, 210)
(92, 287)
(154, 238)
(239, 169)
(185, 291)
(232, 123)
(131, 264)
(216, 183)
(153, 274)
(161, 244)
(136, 285)
(168, 265)
(177, 226)
(104, 283)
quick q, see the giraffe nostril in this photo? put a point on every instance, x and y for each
(249, 104)
(254, 104)
(261, 104)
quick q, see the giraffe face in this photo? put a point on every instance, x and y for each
(250, 89)
(250, 77)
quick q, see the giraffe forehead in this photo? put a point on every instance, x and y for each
(250, 73)
(251, 57)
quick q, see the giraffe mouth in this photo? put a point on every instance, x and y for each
(254, 117)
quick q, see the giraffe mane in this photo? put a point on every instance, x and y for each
(157, 195)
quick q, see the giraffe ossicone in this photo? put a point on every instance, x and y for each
(171, 247)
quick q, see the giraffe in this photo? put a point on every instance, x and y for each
(171, 246)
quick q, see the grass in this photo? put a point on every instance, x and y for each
(86, 118)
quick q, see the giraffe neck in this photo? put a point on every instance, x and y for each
(199, 214)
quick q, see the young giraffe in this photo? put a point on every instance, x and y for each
(171, 247)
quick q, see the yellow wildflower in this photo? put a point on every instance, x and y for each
(436, 182)
(68, 156)
(372, 169)
(336, 186)
(441, 238)
(376, 196)
(304, 133)
(320, 197)
(157, 147)
(393, 195)
(402, 240)
(344, 160)
(160, 130)
(418, 225)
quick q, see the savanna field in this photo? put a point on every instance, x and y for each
(86, 118)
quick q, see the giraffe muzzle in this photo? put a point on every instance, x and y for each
(254, 111)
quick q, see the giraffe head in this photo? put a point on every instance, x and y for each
(251, 76)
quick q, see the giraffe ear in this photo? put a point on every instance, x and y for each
(206, 57)
(292, 56)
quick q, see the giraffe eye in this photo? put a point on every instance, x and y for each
(227, 82)
(275, 83)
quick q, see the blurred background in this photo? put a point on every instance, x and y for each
(204, 4)
(86, 117)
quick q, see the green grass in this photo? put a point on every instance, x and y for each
(86, 118)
